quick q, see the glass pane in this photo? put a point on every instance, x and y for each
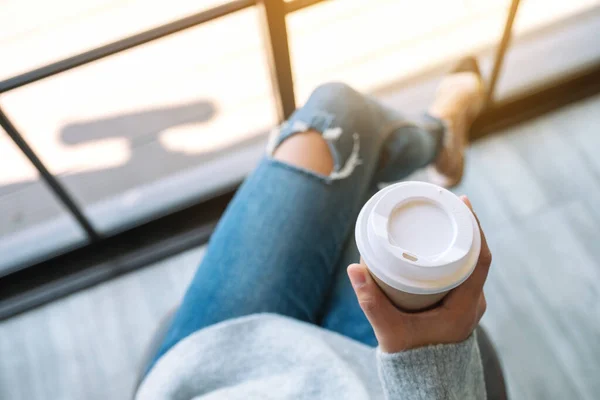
(72, 27)
(149, 130)
(377, 44)
(551, 39)
(33, 225)
(535, 14)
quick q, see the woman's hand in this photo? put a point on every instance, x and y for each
(451, 322)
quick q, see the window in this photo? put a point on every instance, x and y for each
(151, 129)
(36, 33)
(33, 224)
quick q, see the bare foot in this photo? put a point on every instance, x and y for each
(458, 100)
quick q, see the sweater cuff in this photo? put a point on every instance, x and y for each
(443, 371)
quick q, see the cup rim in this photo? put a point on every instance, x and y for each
(386, 267)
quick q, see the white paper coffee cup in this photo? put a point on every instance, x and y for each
(419, 241)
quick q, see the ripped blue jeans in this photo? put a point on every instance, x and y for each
(284, 242)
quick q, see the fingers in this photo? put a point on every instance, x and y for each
(473, 286)
(469, 292)
(481, 307)
(477, 279)
(466, 200)
(377, 307)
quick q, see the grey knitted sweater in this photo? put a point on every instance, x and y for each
(267, 356)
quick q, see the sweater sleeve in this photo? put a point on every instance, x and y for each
(445, 371)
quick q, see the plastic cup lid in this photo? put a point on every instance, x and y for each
(418, 238)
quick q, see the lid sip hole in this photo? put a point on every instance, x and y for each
(410, 257)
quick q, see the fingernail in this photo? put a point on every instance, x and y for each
(357, 277)
(466, 200)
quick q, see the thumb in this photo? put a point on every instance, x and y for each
(378, 309)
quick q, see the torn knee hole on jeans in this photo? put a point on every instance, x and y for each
(344, 148)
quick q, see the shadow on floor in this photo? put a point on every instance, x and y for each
(30, 202)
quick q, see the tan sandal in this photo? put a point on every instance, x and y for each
(458, 87)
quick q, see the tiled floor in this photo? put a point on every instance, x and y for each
(535, 188)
